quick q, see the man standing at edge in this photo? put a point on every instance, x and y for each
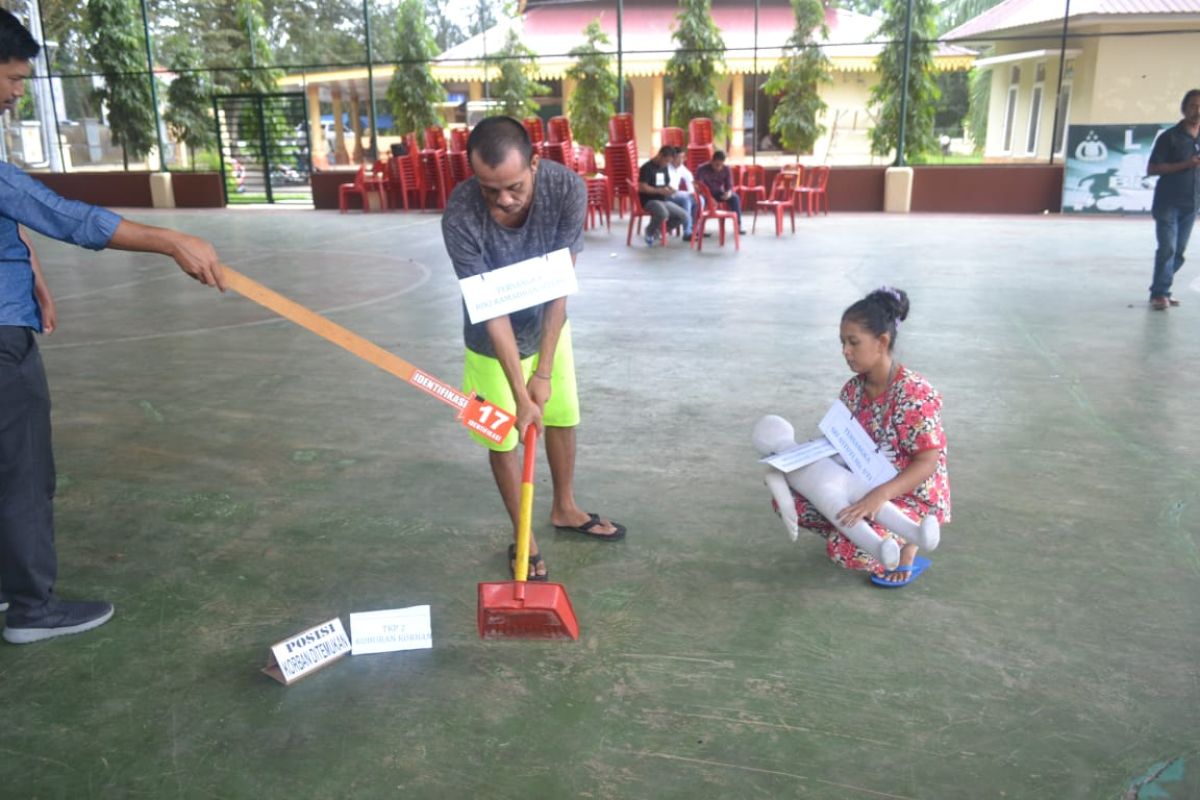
(514, 208)
(28, 562)
(1176, 160)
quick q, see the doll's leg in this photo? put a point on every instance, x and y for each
(924, 534)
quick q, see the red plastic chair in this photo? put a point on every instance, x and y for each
(363, 186)
(458, 140)
(672, 137)
(700, 131)
(813, 191)
(562, 152)
(779, 201)
(435, 138)
(636, 212)
(599, 203)
(711, 209)
(533, 126)
(752, 185)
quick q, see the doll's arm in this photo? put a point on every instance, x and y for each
(776, 481)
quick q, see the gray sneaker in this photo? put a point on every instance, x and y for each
(65, 618)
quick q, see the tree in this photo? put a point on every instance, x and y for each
(189, 104)
(446, 32)
(483, 17)
(591, 104)
(955, 12)
(796, 80)
(692, 69)
(516, 87)
(255, 72)
(119, 50)
(862, 6)
(979, 99)
(413, 92)
(923, 92)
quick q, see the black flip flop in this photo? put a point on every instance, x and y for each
(534, 560)
(594, 521)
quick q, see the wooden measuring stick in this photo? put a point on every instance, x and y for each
(480, 416)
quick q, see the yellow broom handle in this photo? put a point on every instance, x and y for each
(525, 516)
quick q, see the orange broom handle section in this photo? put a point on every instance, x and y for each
(321, 326)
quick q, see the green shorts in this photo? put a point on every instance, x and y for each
(484, 376)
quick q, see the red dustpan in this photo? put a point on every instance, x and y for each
(519, 609)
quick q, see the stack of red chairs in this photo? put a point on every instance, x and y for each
(621, 167)
(700, 142)
(460, 165)
(812, 192)
(404, 181)
(558, 145)
(435, 138)
(585, 160)
(672, 137)
(620, 128)
(533, 125)
(752, 185)
(435, 175)
(599, 203)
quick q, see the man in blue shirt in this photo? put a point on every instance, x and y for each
(1176, 161)
(28, 563)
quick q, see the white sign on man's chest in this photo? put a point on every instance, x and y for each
(519, 286)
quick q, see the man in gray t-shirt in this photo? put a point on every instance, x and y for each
(515, 208)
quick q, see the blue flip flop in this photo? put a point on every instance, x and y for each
(919, 565)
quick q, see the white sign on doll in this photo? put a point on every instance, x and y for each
(519, 286)
(855, 446)
(390, 630)
(800, 455)
(307, 652)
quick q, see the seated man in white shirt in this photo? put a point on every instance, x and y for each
(681, 181)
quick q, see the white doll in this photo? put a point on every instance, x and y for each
(831, 487)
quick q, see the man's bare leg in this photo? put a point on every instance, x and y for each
(560, 451)
(506, 469)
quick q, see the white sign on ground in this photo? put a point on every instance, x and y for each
(519, 286)
(307, 652)
(390, 630)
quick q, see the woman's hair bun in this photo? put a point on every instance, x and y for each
(894, 300)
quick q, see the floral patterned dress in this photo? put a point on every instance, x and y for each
(905, 420)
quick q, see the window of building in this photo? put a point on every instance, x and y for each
(1035, 108)
(1010, 108)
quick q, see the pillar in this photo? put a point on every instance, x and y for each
(356, 126)
(339, 139)
(568, 88)
(317, 144)
(475, 90)
(737, 127)
(897, 190)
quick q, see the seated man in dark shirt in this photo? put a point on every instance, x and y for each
(654, 191)
(719, 180)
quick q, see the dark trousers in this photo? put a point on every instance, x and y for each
(1173, 228)
(28, 564)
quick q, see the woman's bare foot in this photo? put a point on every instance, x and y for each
(907, 554)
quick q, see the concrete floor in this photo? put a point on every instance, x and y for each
(227, 479)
